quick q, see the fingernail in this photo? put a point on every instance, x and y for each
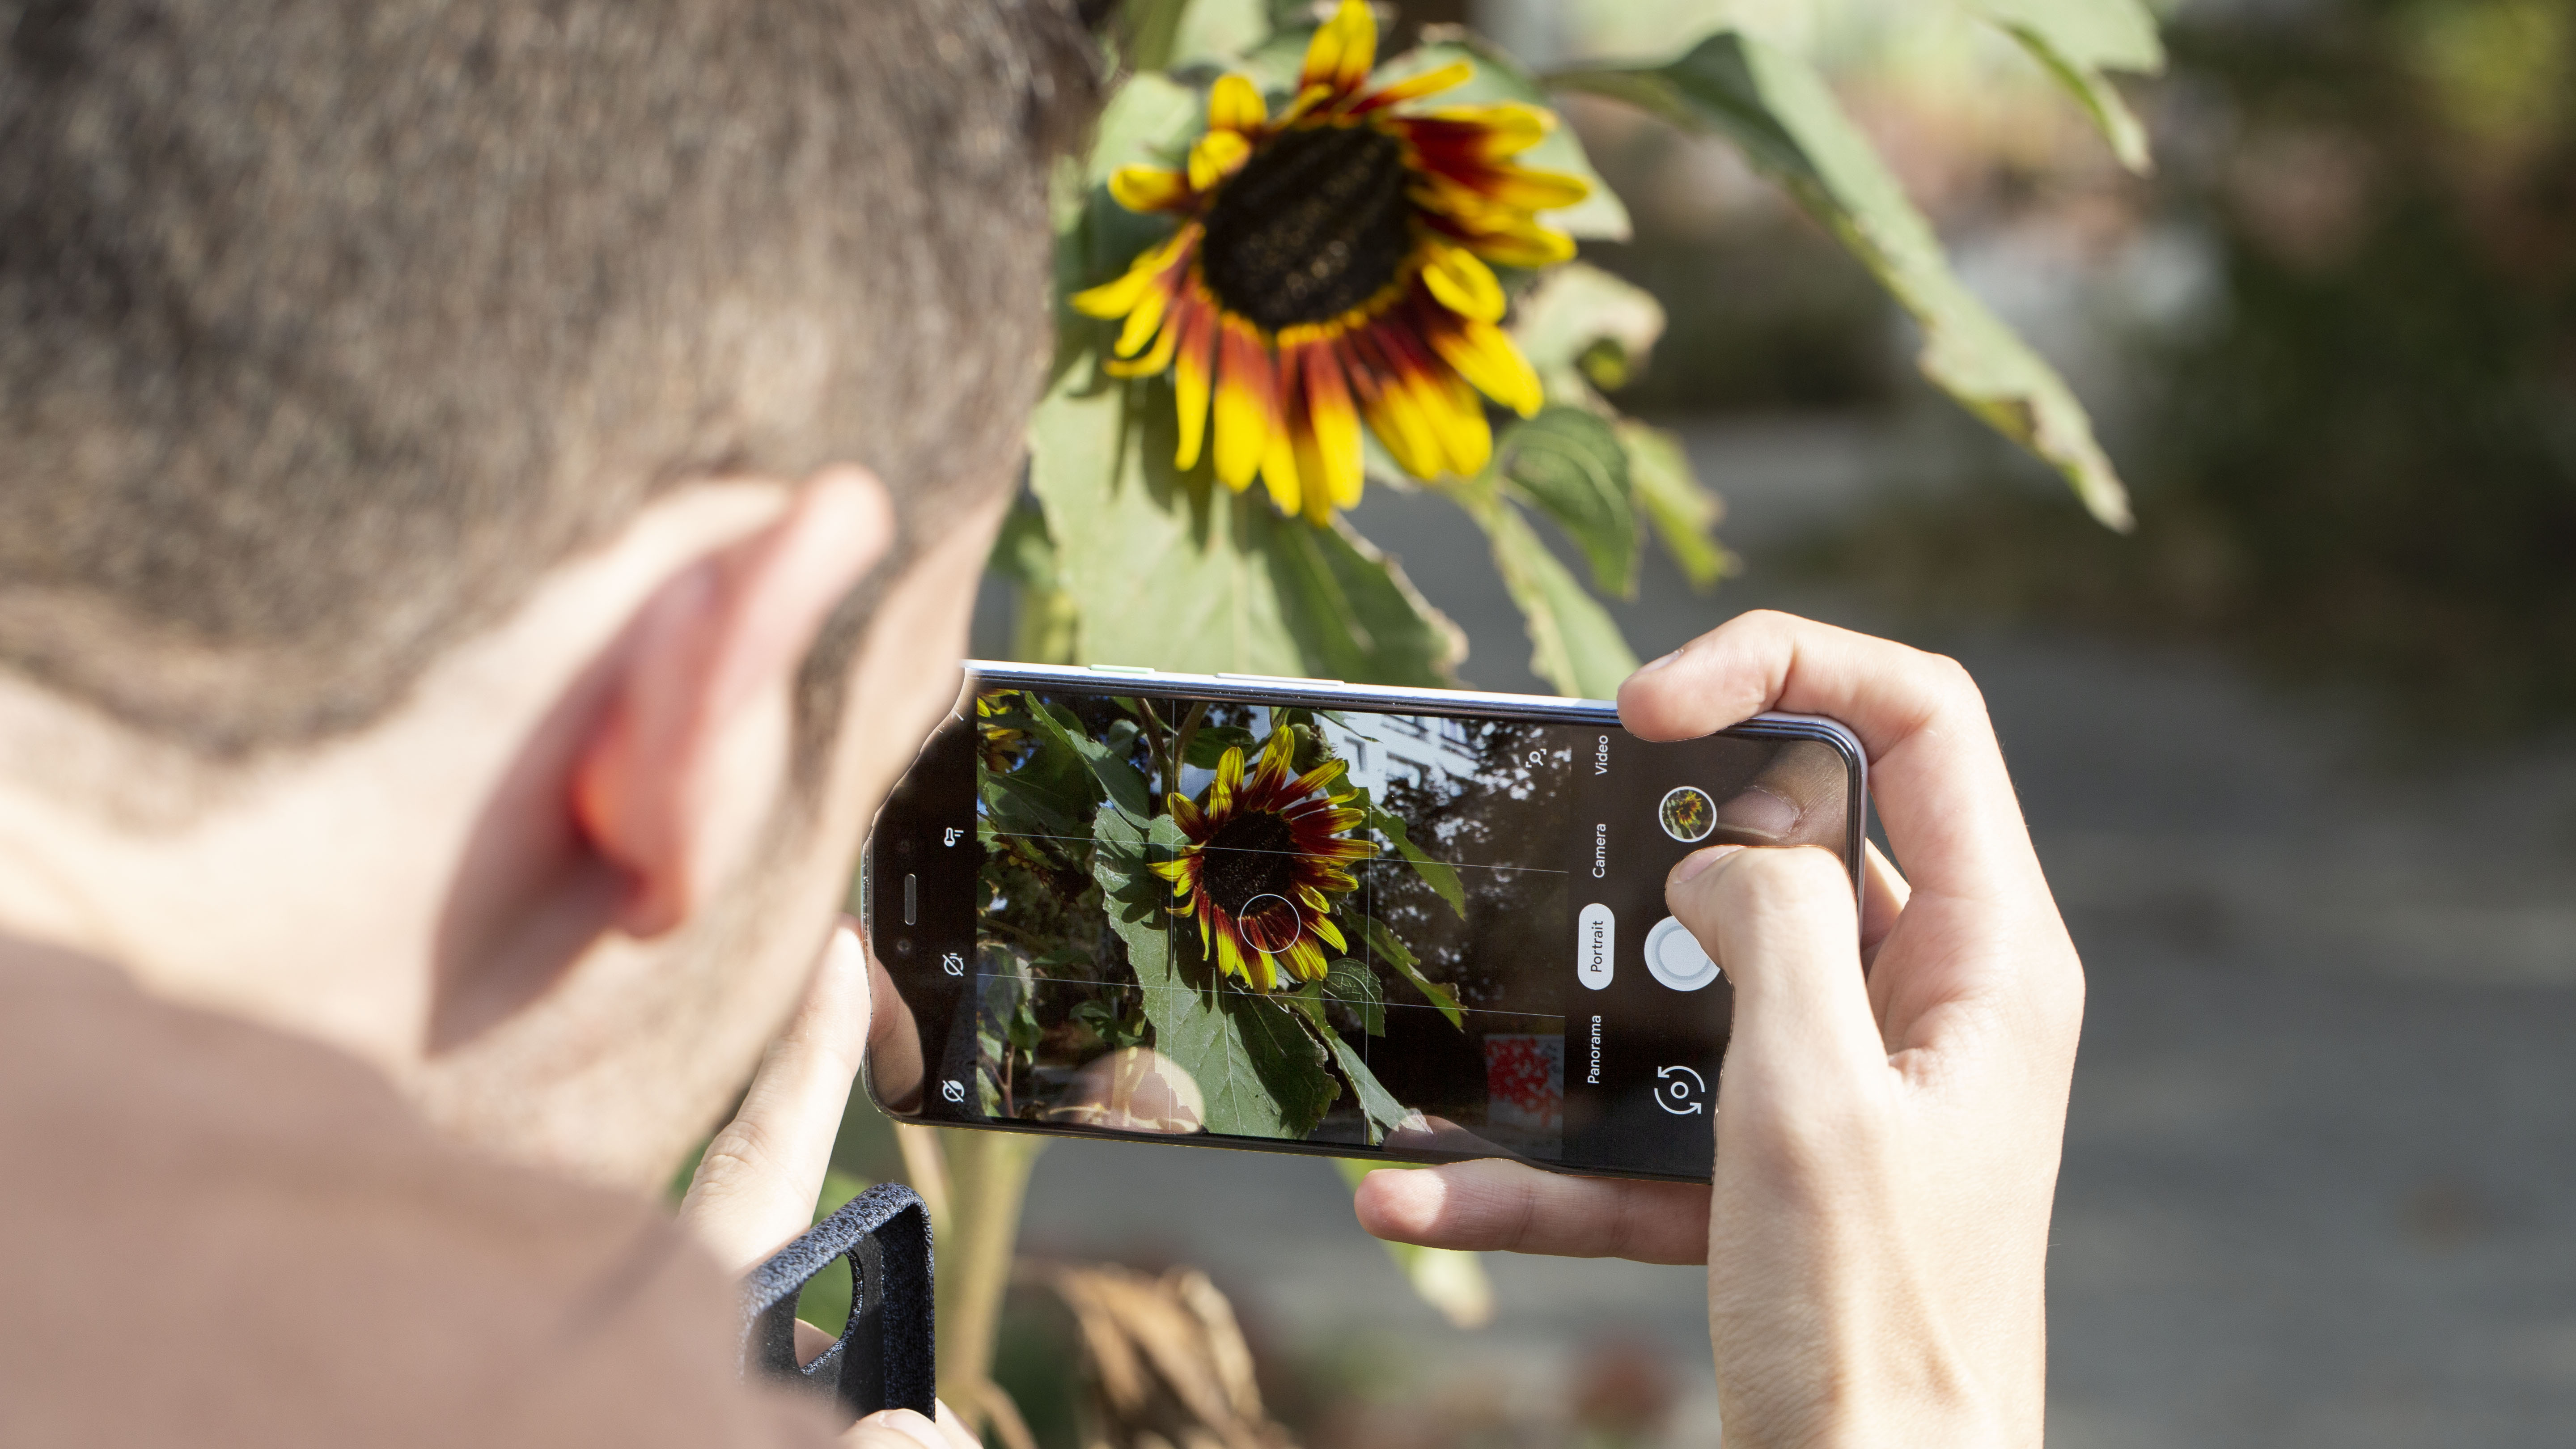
(1767, 811)
(1697, 862)
(1651, 665)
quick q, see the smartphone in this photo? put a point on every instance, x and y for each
(1305, 916)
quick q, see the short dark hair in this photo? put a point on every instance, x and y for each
(326, 328)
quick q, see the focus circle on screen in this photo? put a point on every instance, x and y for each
(1674, 957)
(1269, 923)
(1687, 814)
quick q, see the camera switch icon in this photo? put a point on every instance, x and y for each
(1680, 1091)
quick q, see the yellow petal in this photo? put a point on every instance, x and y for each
(1247, 405)
(1118, 298)
(1484, 355)
(1279, 473)
(1234, 104)
(1343, 51)
(1523, 189)
(1145, 321)
(1398, 420)
(1192, 370)
(1334, 424)
(1153, 361)
(1313, 498)
(1325, 929)
(1460, 422)
(1463, 283)
(1429, 83)
(1528, 247)
(1216, 156)
(1147, 188)
(1306, 960)
(1307, 100)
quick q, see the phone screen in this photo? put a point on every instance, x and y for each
(1420, 935)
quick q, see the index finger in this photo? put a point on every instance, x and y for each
(1936, 772)
(755, 1187)
(1492, 1205)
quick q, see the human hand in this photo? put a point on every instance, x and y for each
(756, 1187)
(1893, 1099)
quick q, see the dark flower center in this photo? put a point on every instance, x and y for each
(1316, 223)
(1249, 856)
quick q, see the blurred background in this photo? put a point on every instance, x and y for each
(2297, 752)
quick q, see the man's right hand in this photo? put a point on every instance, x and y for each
(1894, 1095)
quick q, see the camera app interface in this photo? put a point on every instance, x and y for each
(1416, 932)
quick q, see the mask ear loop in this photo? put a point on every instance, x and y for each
(887, 1355)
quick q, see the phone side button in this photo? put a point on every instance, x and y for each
(1596, 945)
(1126, 669)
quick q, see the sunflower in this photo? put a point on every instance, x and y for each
(1265, 857)
(1331, 266)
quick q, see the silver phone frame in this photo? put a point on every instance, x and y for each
(1299, 692)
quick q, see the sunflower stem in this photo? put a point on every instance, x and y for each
(1181, 746)
(1163, 765)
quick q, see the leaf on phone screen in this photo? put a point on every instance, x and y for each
(1390, 948)
(1123, 786)
(1017, 806)
(1257, 1070)
(1354, 985)
(1209, 744)
(1377, 1104)
(1439, 875)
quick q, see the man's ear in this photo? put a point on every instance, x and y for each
(681, 771)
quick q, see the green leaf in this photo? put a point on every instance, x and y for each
(2077, 40)
(1568, 462)
(1574, 643)
(1018, 807)
(1386, 946)
(1574, 309)
(1357, 616)
(1437, 874)
(1354, 985)
(1684, 513)
(1149, 121)
(1219, 30)
(1118, 779)
(1209, 745)
(1176, 571)
(1377, 1104)
(1781, 113)
(1257, 1070)
(1042, 614)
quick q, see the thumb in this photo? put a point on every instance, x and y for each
(1782, 925)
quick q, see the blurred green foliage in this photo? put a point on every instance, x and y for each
(2361, 471)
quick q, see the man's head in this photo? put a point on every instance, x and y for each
(450, 450)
